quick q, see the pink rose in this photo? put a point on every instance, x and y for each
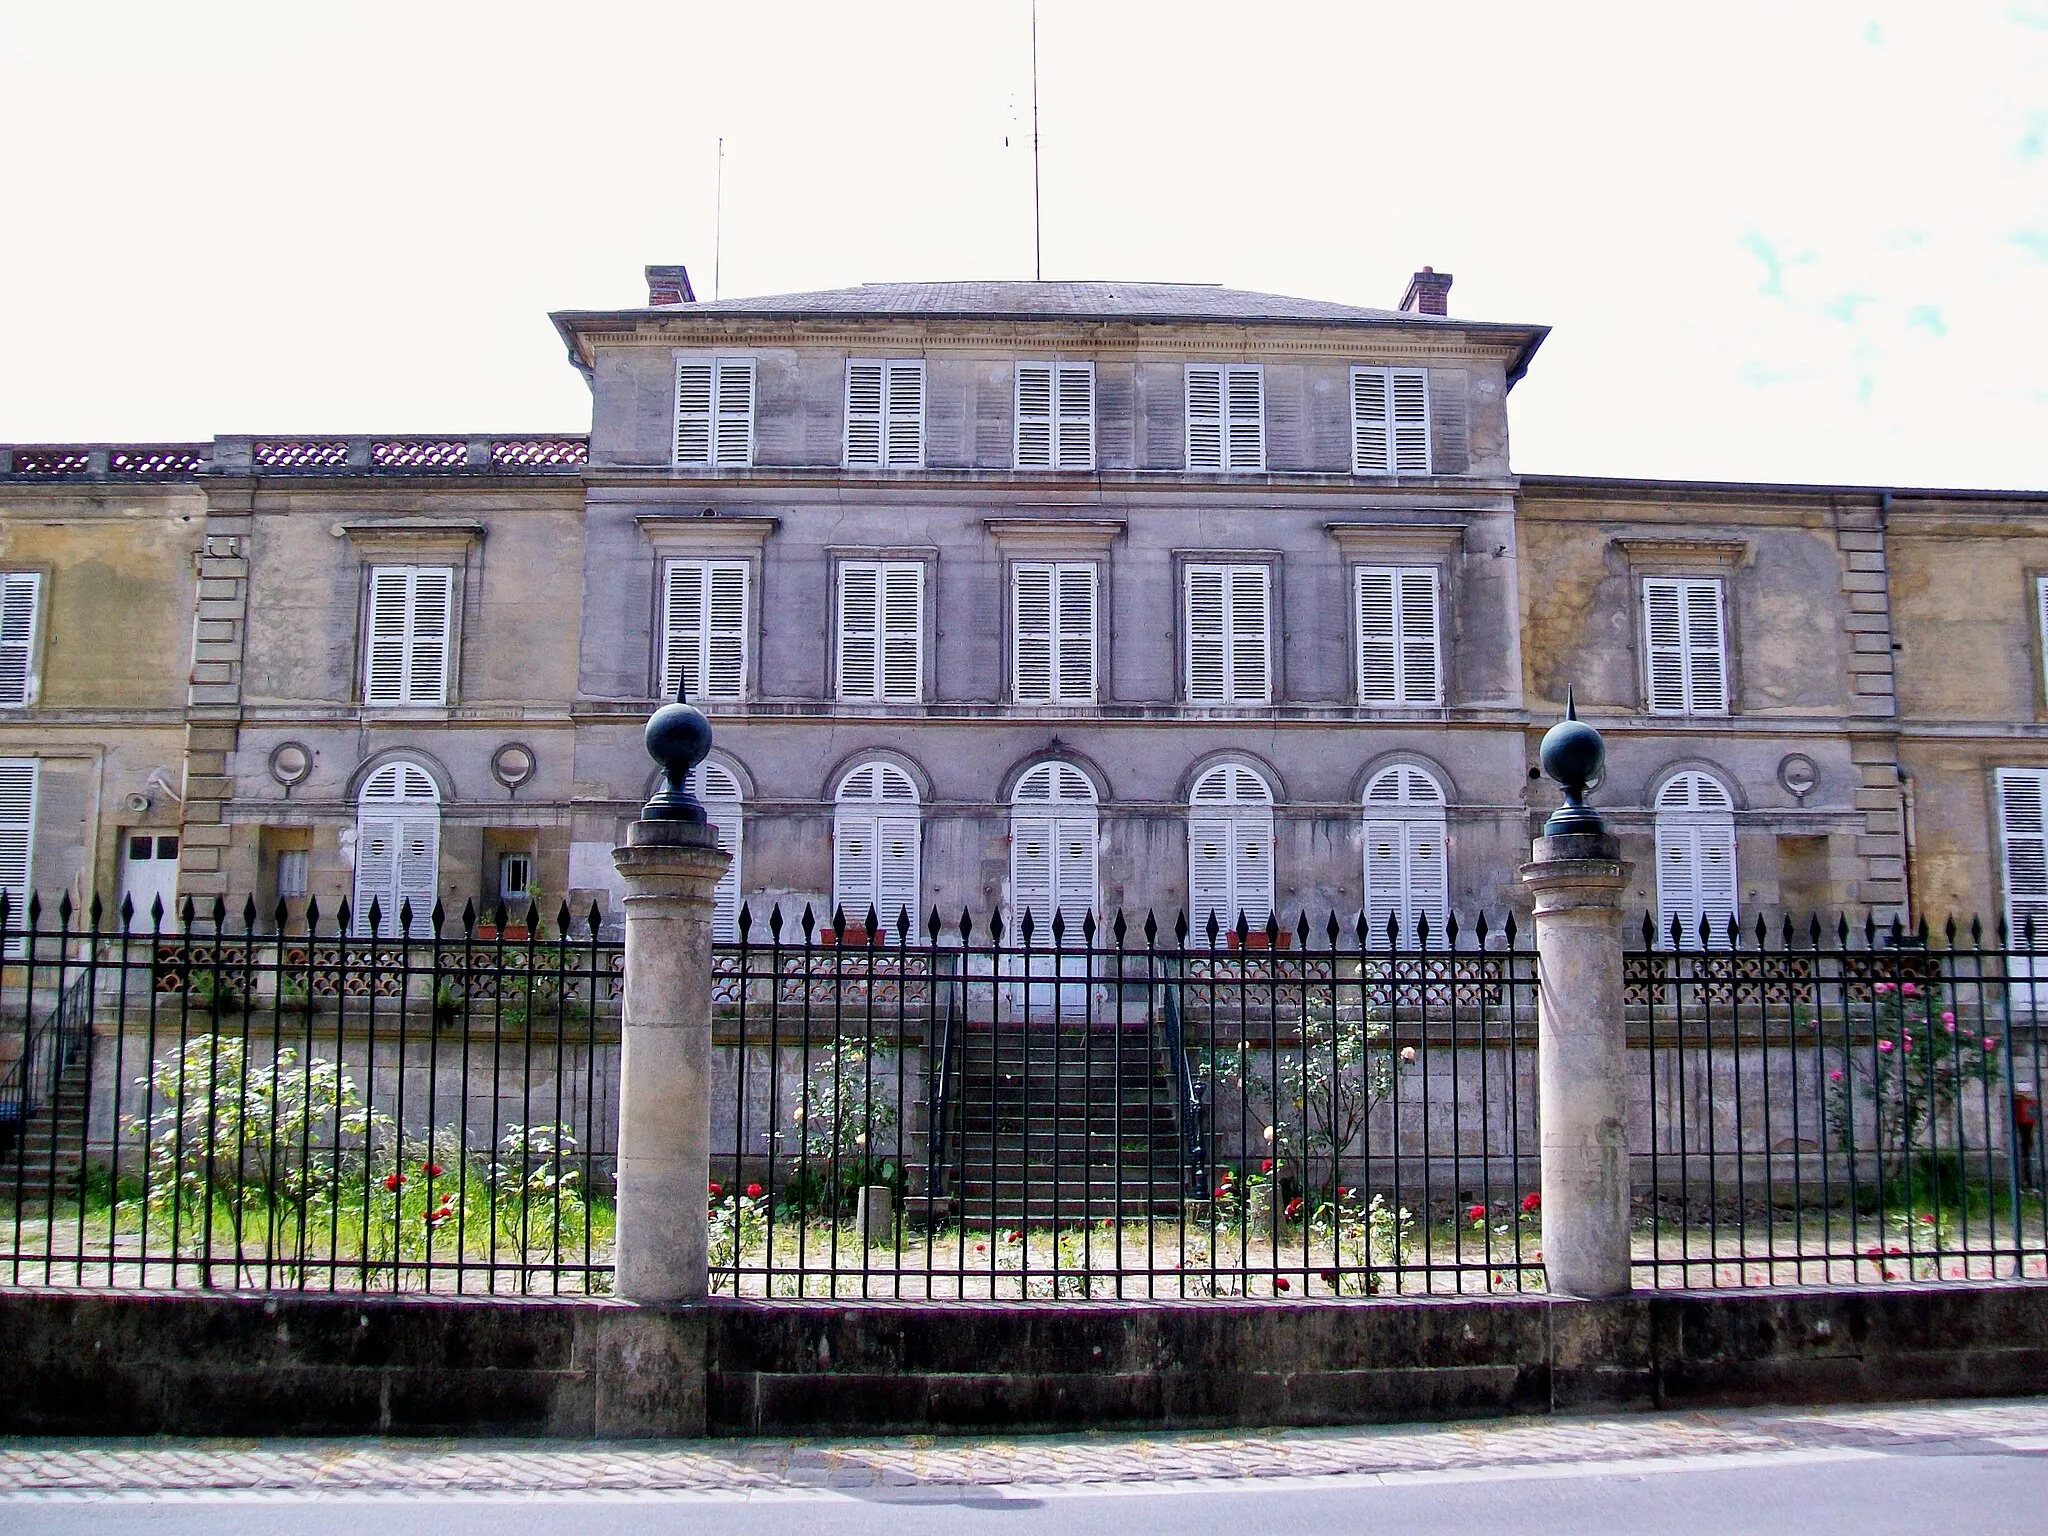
(1885, 1046)
(1949, 1019)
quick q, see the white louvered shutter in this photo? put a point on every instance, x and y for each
(410, 622)
(2023, 848)
(398, 848)
(1230, 849)
(1244, 399)
(906, 414)
(433, 592)
(1685, 641)
(881, 631)
(1399, 654)
(390, 628)
(1053, 632)
(1033, 637)
(864, 413)
(1696, 872)
(693, 411)
(1053, 849)
(875, 834)
(903, 632)
(376, 872)
(1036, 421)
(705, 629)
(20, 598)
(1372, 423)
(1228, 634)
(1076, 436)
(419, 859)
(718, 789)
(734, 443)
(1075, 669)
(860, 629)
(1205, 416)
(18, 788)
(1409, 388)
(884, 413)
(2041, 608)
(1207, 615)
(1250, 636)
(1407, 855)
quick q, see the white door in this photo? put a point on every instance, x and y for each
(1053, 857)
(398, 849)
(149, 874)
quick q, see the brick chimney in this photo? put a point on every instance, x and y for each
(1429, 292)
(671, 285)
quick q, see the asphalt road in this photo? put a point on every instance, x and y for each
(1952, 1488)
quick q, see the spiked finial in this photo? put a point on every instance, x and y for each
(1573, 754)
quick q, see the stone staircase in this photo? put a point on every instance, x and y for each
(1058, 1122)
(50, 1150)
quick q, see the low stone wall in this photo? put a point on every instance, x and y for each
(104, 1363)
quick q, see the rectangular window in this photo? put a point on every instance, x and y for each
(715, 412)
(291, 872)
(884, 413)
(2041, 608)
(17, 841)
(406, 658)
(21, 597)
(704, 629)
(1684, 645)
(881, 631)
(1055, 416)
(1389, 421)
(1052, 632)
(1399, 661)
(1228, 641)
(515, 874)
(1226, 416)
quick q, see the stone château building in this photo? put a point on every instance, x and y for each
(1008, 596)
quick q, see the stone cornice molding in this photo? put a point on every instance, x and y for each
(1692, 553)
(1085, 535)
(1374, 540)
(412, 535)
(671, 532)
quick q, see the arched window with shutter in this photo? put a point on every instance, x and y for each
(1695, 857)
(1230, 849)
(1053, 842)
(398, 848)
(718, 788)
(1407, 858)
(877, 821)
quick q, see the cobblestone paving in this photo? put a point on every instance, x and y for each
(75, 1468)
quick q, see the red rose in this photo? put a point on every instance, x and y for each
(1279, 1282)
(1476, 1213)
(717, 1189)
(431, 1170)
(1266, 1166)
(1532, 1202)
(1329, 1277)
(393, 1180)
(753, 1191)
(1223, 1191)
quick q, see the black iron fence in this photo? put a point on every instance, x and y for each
(1828, 1103)
(1091, 1109)
(197, 1102)
(1111, 1110)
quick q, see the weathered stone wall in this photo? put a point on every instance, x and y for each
(93, 1363)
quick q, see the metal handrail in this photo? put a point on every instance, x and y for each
(1194, 1154)
(942, 1091)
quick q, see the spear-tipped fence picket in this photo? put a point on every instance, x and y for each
(958, 1109)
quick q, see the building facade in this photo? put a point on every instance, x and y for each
(1017, 597)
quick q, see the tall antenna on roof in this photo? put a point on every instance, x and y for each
(718, 222)
(1037, 228)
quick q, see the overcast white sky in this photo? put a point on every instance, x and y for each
(1802, 241)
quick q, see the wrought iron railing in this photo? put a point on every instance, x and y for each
(1826, 1104)
(309, 1106)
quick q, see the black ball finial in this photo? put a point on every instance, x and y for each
(1574, 754)
(678, 738)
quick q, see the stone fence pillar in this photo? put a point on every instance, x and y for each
(671, 864)
(1577, 878)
